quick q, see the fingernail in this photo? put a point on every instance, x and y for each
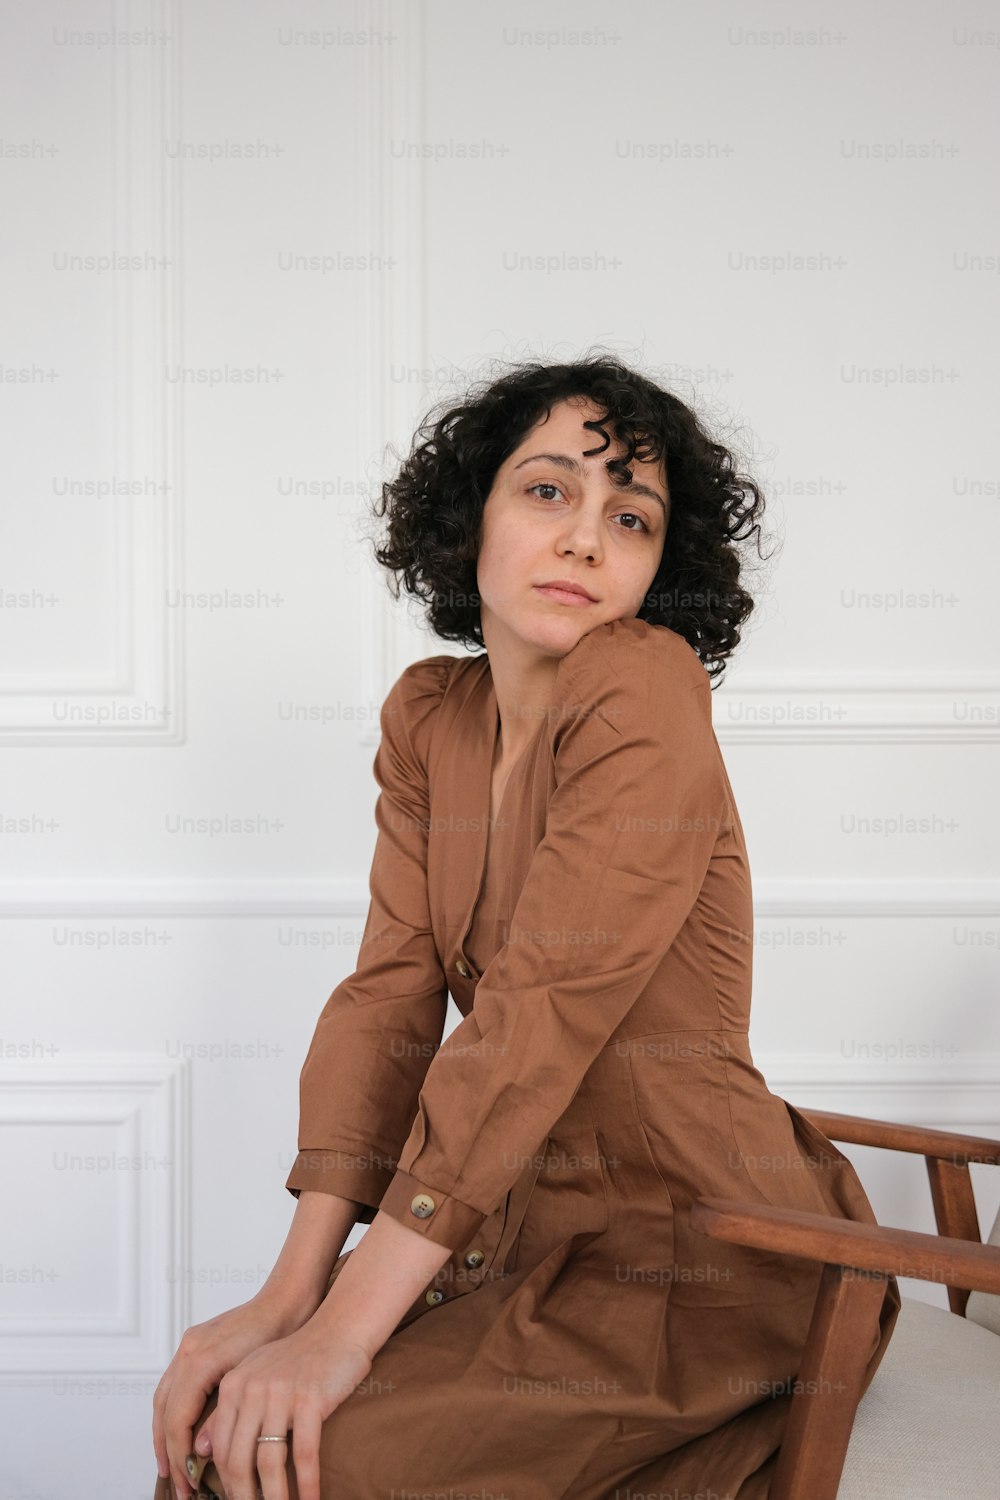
(204, 1443)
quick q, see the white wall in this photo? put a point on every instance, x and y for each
(160, 986)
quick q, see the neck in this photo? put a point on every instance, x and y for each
(523, 678)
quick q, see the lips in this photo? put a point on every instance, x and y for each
(567, 586)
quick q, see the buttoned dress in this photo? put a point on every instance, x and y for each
(583, 1338)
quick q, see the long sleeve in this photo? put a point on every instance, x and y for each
(638, 804)
(382, 1025)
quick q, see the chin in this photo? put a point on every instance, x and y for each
(557, 636)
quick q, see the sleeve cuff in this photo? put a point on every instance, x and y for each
(358, 1177)
(421, 1206)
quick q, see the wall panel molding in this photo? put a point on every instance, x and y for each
(337, 900)
(138, 1104)
(776, 707)
(389, 204)
(135, 698)
(944, 1091)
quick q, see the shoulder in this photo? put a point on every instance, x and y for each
(647, 646)
(634, 707)
(423, 682)
(412, 702)
(647, 671)
(634, 690)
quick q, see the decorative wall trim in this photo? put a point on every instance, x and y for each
(934, 1090)
(347, 900)
(389, 204)
(135, 698)
(857, 708)
(144, 1101)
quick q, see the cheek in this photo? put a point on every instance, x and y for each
(505, 561)
(630, 579)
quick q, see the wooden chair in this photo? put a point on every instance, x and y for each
(929, 1423)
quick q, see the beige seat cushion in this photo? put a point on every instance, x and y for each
(928, 1427)
(984, 1307)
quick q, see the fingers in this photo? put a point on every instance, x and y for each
(245, 1458)
(224, 1424)
(182, 1427)
(306, 1431)
(272, 1458)
(159, 1433)
(240, 1458)
(204, 1438)
(169, 1461)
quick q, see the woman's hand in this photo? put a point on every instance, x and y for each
(294, 1376)
(205, 1354)
(290, 1385)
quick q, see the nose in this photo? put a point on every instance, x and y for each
(582, 534)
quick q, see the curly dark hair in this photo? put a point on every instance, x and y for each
(435, 503)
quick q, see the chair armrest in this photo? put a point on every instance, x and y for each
(947, 1145)
(856, 1259)
(844, 1242)
(946, 1154)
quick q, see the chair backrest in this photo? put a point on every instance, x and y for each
(984, 1307)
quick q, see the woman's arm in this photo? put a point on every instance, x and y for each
(386, 1273)
(639, 803)
(381, 1026)
(283, 1305)
(319, 1227)
(293, 1383)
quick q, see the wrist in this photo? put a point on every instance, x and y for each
(387, 1272)
(289, 1303)
(301, 1275)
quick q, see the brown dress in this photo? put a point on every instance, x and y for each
(583, 1339)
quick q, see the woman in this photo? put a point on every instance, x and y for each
(530, 1313)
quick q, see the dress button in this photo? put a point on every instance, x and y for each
(474, 1258)
(422, 1205)
(463, 969)
(434, 1296)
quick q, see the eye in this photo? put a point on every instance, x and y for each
(543, 484)
(547, 484)
(635, 518)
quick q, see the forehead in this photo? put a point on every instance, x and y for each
(563, 431)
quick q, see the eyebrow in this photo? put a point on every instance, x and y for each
(565, 462)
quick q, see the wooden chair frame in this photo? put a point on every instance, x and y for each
(856, 1260)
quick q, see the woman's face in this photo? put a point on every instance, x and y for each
(567, 520)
